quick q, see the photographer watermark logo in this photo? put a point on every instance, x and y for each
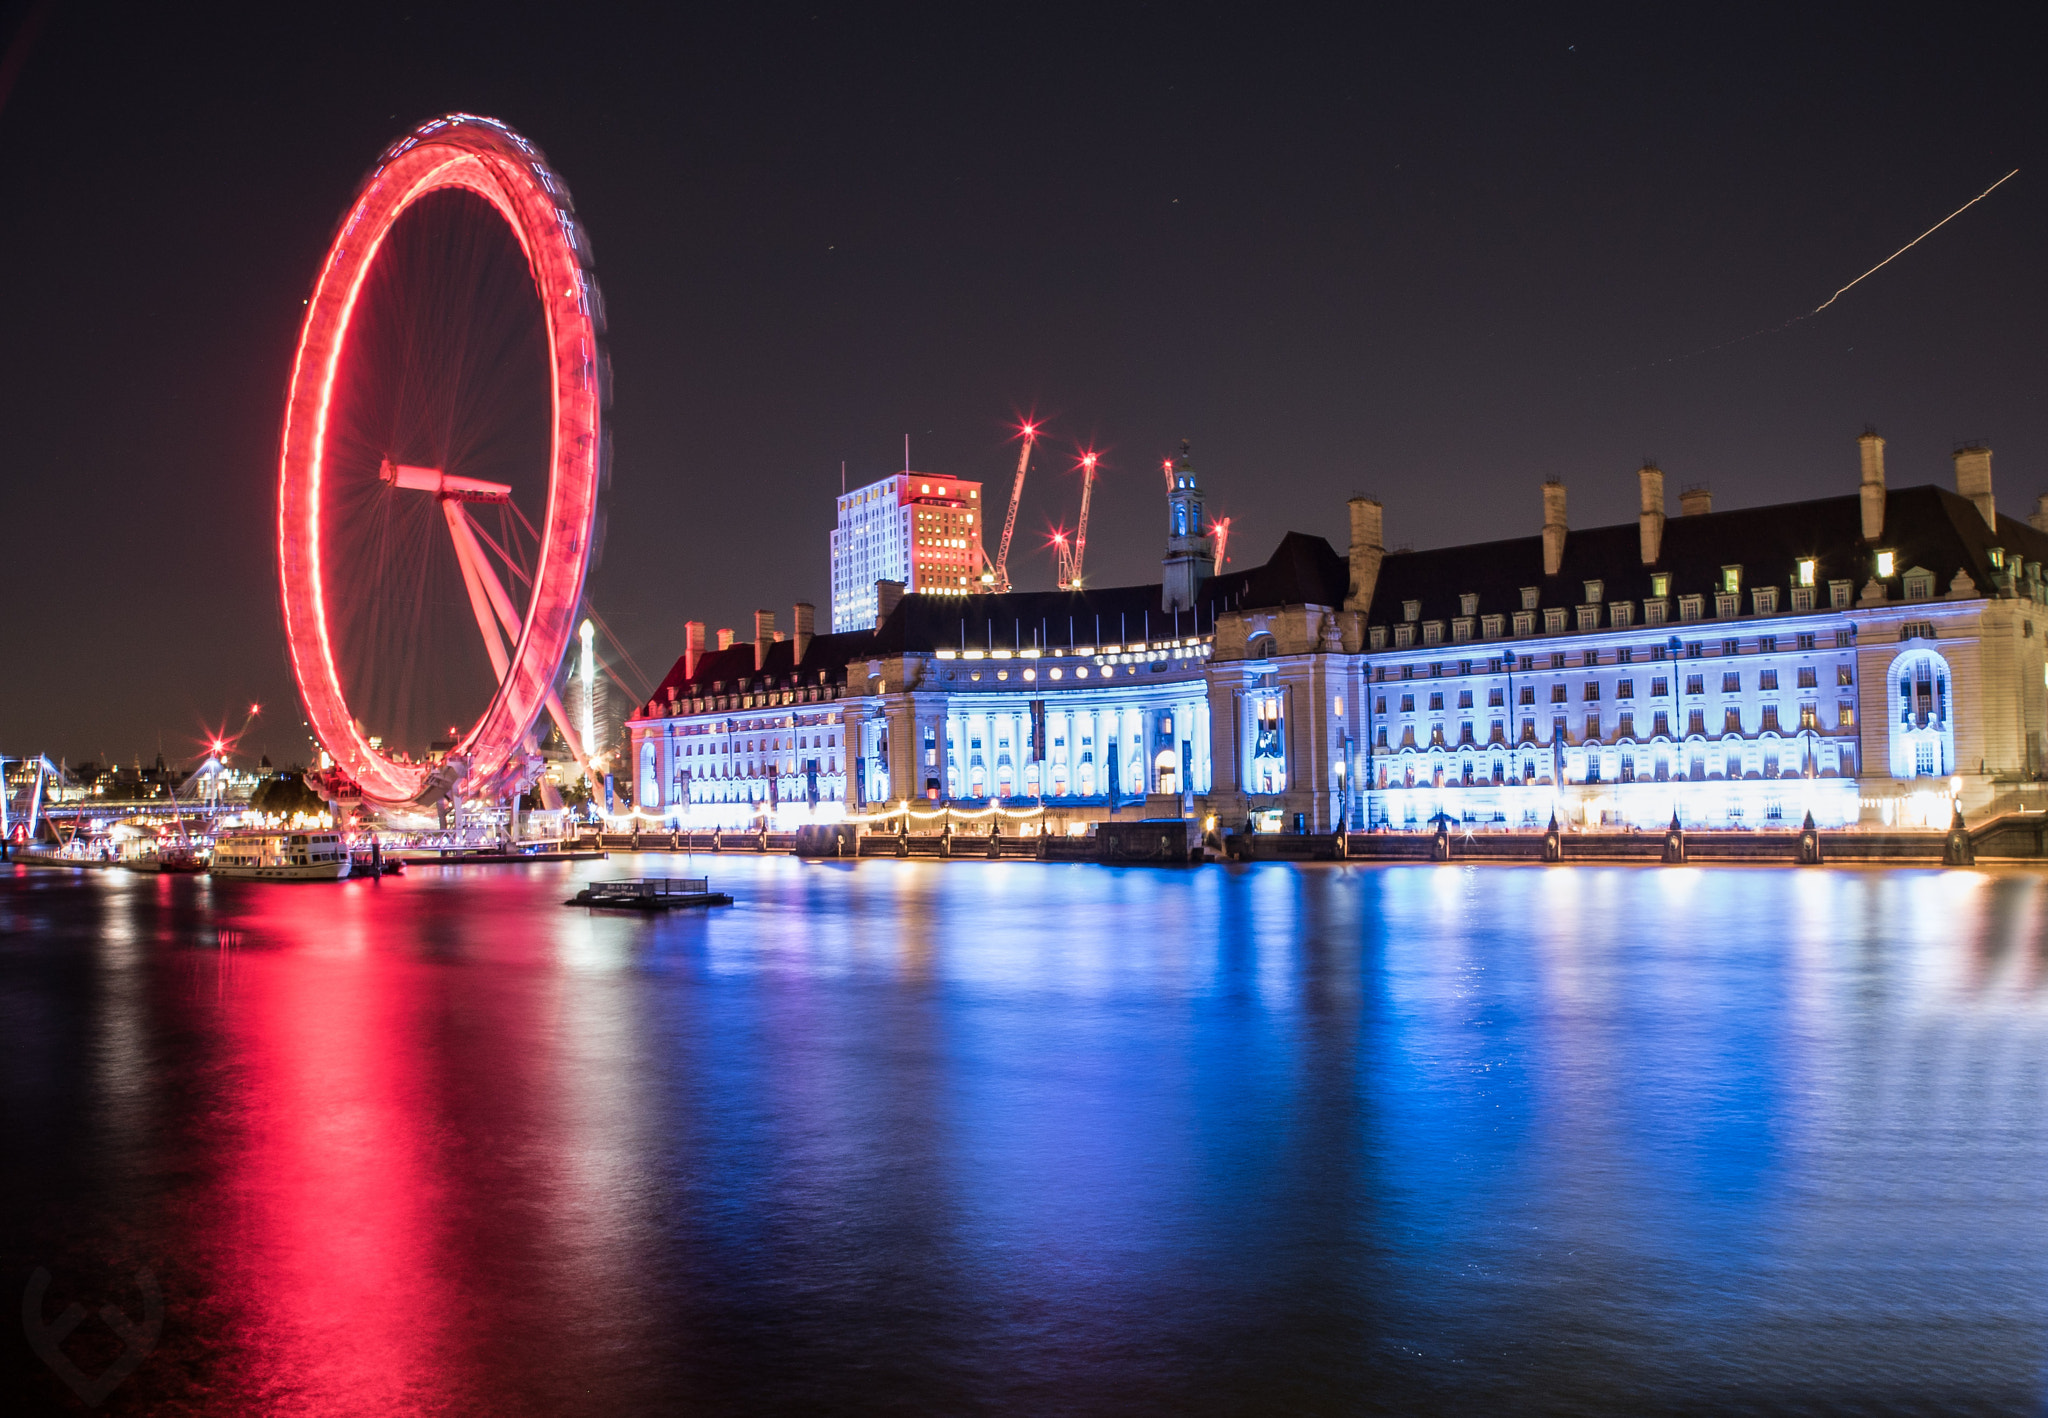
(47, 1337)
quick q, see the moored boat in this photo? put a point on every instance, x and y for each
(281, 855)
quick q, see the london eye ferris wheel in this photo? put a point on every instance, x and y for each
(443, 452)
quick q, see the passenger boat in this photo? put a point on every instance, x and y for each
(281, 855)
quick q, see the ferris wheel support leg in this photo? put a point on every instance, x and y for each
(470, 557)
(487, 595)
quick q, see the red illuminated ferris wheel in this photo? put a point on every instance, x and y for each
(443, 452)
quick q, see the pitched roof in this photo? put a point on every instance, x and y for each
(1928, 527)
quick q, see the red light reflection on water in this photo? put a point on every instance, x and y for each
(332, 1250)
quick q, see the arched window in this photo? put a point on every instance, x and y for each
(1922, 739)
(1261, 646)
(650, 775)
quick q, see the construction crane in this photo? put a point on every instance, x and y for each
(1070, 563)
(1219, 529)
(997, 578)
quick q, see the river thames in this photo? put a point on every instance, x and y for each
(969, 1137)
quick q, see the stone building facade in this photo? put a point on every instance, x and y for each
(1871, 658)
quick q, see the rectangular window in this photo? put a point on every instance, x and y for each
(1844, 639)
(1557, 661)
(1528, 695)
(1626, 655)
(1731, 683)
(1557, 694)
(1731, 646)
(1806, 640)
(1379, 705)
(1845, 715)
(1436, 701)
(1844, 675)
(1767, 645)
(1590, 658)
(1407, 704)
(1589, 617)
(1525, 623)
(1695, 684)
(1490, 626)
(1732, 721)
(1770, 720)
(1802, 598)
(1766, 679)
(1654, 612)
(1592, 689)
(1808, 677)
(1727, 605)
(1627, 728)
(1625, 689)
(1659, 688)
(1620, 613)
(1554, 622)
(1661, 725)
(1496, 698)
(1765, 598)
(1433, 632)
(1592, 728)
(1691, 607)
(1464, 699)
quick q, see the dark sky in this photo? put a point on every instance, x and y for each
(1437, 258)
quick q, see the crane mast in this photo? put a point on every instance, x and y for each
(1001, 577)
(1072, 580)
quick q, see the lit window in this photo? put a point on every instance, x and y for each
(1806, 571)
(1884, 564)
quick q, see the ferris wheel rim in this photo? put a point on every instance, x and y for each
(492, 161)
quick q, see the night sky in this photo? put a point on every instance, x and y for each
(1434, 259)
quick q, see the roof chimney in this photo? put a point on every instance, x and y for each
(1650, 521)
(1973, 480)
(693, 647)
(2039, 520)
(764, 636)
(806, 622)
(724, 639)
(887, 594)
(1367, 519)
(1872, 490)
(1695, 501)
(1553, 526)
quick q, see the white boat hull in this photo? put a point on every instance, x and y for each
(316, 871)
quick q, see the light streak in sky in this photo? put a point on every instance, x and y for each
(1798, 319)
(1916, 240)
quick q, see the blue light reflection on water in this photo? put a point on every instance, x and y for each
(968, 1136)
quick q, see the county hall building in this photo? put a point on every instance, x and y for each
(1871, 658)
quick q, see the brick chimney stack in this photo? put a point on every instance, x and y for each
(1650, 521)
(1872, 489)
(1973, 480)
(805, 619)
(1553, 526)
(887, 594)
(764, 636)
(1367, 551)
(1695, 501)
(693, 647)
(725, 639)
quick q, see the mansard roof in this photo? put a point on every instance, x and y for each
(1302, 569)
(1928, 527)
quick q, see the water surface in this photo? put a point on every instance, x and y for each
(970, 1137)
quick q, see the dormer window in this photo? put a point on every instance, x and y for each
(1807, 569)
(1595, 592)
(1997, 555)
(1411, 610)
(1731, 580)
(1919, 584)
(1468, 604)
(1529, 595)
(1660, 584)
(1887, 566)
